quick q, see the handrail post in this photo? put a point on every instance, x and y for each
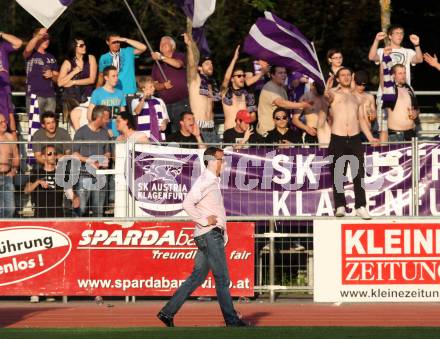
(272, 261)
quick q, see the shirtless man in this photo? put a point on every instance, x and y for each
(235, 95)
(9, 163)
(399, 55)
(367, 99)
(347, 122)
(320, 103)
(202, 91)
(399, 100)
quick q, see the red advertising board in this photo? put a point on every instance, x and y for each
(389, 254)
(110, 259)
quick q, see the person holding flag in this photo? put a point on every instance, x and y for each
(173, 91)
(8, 44)
(41, 71)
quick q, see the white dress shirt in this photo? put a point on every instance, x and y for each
(205, 199)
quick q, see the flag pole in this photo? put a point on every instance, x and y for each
(145, 39)
(319, 65)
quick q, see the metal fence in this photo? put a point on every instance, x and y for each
(283, 244)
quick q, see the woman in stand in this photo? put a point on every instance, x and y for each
(77, 77)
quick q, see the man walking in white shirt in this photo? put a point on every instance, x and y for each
(204, 204)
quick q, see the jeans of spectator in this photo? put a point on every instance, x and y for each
(128, 99)
(44, 104)
(310, 139)
(174, 111)
(209, 136)
(347, 146)
(91, 199)
(7, 199)
(210, 256)
(394, 136)
(110, 189)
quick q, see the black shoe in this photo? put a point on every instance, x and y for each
(239, 323)
(167, 320)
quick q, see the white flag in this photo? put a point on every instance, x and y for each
(45, 11)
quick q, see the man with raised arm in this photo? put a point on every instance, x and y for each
(399, 100)
(432, 60)
(399, 55)
(203, 90)
(123, 58)
(8, 44)
(235, 93)
(348, 120)
(41, 71)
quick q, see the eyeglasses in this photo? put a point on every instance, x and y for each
(51, 153)
(239, 75)
(281, 118)
(81, 45)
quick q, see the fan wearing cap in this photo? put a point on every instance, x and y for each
(242, 133)
(203, 90)
(367, 99)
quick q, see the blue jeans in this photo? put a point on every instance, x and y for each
(7, 201)
(209, 137)
(96, 197)
(174, 110)
(44, 104)
(210, 256)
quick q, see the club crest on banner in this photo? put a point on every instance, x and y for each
(160, 182)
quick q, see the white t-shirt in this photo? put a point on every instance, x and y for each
(402, 56)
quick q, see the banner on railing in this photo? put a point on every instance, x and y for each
(267, 181)
(378, 261)
(92, 258)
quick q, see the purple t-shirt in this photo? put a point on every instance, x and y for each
(5, 88)
(36, 64)
(177, 78)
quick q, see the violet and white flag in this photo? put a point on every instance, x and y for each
(45, 11)
(281, 43)
(198, 11)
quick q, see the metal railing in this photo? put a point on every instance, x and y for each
(283, 244)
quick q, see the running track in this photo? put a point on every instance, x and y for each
(195, 313)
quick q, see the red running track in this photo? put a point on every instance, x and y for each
(142, 314)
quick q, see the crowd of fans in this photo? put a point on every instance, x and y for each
(103, 100)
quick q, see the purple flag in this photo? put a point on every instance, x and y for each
(280, 43)
(45, 11)
(198, 11)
